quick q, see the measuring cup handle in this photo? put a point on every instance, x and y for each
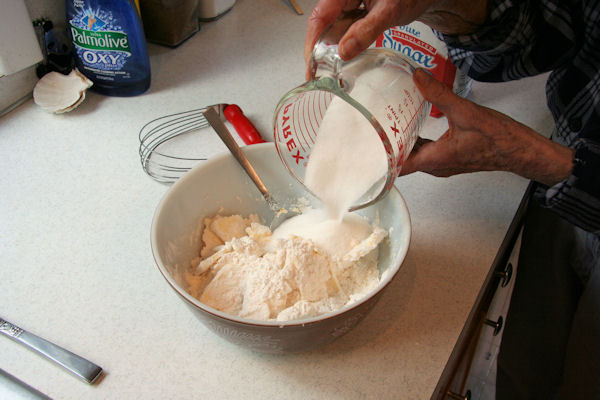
(325, 50)
(242, 125)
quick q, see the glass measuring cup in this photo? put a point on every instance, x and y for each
(391, 106)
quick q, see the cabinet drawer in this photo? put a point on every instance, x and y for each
(470, 372)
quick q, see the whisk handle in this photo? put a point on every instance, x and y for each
(242, 125)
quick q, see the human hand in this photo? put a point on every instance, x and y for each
(381, 14)
(448, 16)
(481, 139)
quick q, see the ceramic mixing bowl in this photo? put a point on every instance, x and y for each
(221, 186)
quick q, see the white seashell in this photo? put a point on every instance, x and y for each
(58, 93)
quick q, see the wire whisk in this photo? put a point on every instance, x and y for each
(164, 165)
(157, 163)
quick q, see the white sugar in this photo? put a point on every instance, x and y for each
(348, 157)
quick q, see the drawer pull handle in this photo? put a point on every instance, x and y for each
(497, 325)
(455, 396)
(505, 275)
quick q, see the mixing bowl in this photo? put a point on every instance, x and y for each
(221, 186)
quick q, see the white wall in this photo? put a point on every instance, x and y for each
(18, 85)
(54, 10)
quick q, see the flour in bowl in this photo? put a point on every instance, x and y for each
(284, 276)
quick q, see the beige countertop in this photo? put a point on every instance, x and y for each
(75, 214)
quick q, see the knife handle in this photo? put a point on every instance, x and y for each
(242, 125)
(79, 366)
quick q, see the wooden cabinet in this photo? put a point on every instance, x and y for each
(481, 379)
(470, 372)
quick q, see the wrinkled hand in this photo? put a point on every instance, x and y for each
(381, 15)
(448, 16)
(481, 139)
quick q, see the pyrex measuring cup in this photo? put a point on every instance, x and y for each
(391, 104)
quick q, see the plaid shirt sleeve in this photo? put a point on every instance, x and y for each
(528, 37)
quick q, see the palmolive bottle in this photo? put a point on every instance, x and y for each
(109, 45)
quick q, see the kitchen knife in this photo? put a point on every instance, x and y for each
(75, 364)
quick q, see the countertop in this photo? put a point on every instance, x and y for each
(77, 269)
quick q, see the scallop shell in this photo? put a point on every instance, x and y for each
(58, 93)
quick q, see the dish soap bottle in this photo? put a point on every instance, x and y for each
(109, 45)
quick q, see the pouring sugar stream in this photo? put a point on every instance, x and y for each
(345, 133)
(354, 160)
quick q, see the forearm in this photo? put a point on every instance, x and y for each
(481, 139)
(535, 157)
(456, 17)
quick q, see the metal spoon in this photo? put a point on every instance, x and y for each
(281, 214)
